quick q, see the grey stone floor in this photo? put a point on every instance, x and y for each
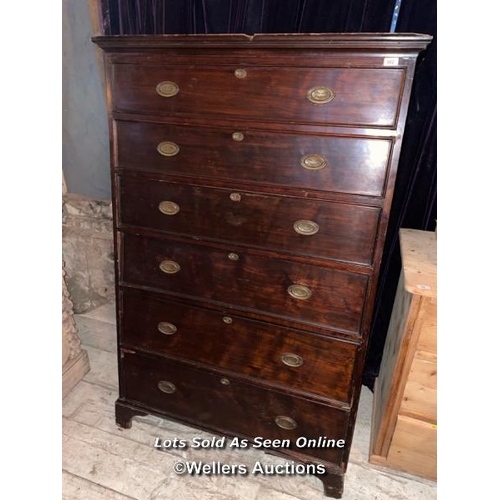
(104, 462)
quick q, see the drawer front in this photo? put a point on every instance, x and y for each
(319, 365)
(326, 163)
(351, 96)
(309, 227)
(247, 280)
(230, 405)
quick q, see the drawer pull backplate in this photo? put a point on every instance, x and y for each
(300, 292)
(166, 328)
(292, 360)
(305, 227)
(167, 148)
(166, 387)
(240, 73)
(313, 162)
(320, 95)
(167, 89)
(285, 422)
(170, 267)
(168, 208)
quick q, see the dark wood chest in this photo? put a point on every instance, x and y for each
(252, 184)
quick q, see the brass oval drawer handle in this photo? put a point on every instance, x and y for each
(224, 381)
(238, 136)
(227, 319)
(168, 208)
(313, 162)
(167, 89)
(235, 197)
(240, 73)
(320, 95)
(305, 227)
(170, 267)
(168, 148)
(166, 387)
(166, 328)
(286, 423)
(292, 360)
(233, 256)
(300, 292)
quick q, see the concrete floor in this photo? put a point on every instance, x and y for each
(104, 462)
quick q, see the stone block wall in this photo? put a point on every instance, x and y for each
(88, 251)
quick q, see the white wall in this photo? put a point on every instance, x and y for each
(85, 152)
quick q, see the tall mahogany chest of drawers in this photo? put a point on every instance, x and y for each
(252, 183)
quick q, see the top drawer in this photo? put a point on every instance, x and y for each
(351, 96)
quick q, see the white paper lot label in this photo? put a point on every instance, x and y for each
(391, 61)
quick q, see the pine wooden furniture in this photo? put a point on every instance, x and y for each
(252, 182)
(404, 424)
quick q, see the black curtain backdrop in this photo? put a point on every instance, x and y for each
(415, 197)
(129, 17)
(414, 205)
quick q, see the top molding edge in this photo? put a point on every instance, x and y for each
(390, 41)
